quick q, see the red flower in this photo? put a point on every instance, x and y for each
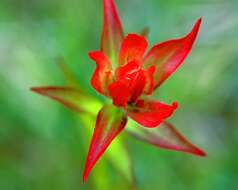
(128, 75)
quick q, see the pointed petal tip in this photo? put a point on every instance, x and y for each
(200, 20)
(198, 23)
(167, 137)
(199, 152)
(88, 167)
(37, 90)
(109, 124)
(175, 105)
(44, 90)
(195, 29)
(169, 55)
(32, 89)
(85, 177)
(112, 34)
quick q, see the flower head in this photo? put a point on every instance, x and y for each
(128, 75)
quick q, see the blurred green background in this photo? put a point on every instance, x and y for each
(43, 145)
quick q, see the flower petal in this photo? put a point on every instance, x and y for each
(150, 80)
(119, 93)
(128, 71)
(112, 34)
(169, 55)
(137, 86)
(150, 113)
(110, 122)
(133, 77)
(70, 97)
(102, 75)
(167, 137)
(133, 48)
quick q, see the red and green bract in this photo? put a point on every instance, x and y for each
(128, 75)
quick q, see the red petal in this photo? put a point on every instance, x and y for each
(150, 113)
(169, 55)
(137, 86)
(119, 93)
(133, 48)
(128, 71)
(102, 75)
(167, 137)
(110, 122)
(150, 80)
(133, 77)
(112, 34)
(69, 97)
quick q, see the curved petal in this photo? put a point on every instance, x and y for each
(110, 122)
(71, 98)
(128, 71)
(112, 34)
(167, 137)
(169, 55)
(119, 93)
(133, 77)
(150, 113)
(150, 80)
(102, 75)
(137, 86)
(133, 48)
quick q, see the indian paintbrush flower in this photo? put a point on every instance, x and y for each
(128, 75)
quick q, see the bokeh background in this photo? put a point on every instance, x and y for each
(43, 145)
